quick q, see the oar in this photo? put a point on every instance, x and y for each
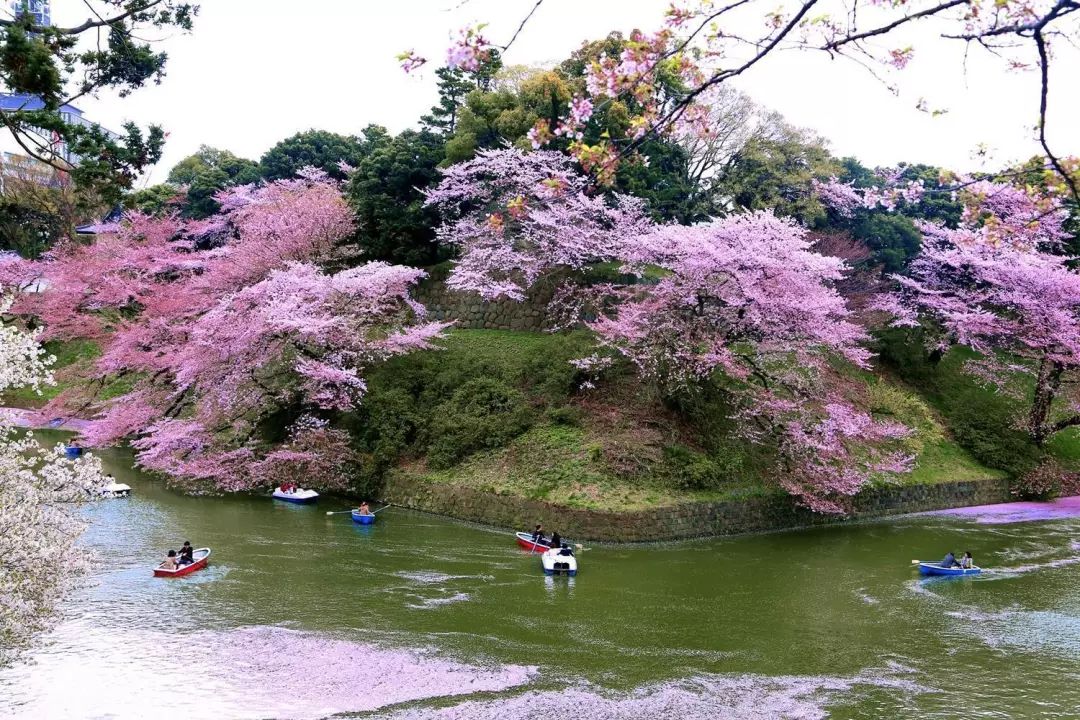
(342, 512)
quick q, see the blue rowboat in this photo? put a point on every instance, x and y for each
(363, 519)
(933, 568)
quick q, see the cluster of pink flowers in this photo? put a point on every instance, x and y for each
(228, 320)
(996, 284)
(469, 49)
(411, 61)
(516, 216)
(845, 198)
(745, 296)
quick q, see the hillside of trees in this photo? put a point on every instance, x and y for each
(637, 401)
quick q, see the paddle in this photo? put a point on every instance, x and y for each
(342, 512)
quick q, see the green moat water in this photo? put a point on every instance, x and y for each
(305, 615)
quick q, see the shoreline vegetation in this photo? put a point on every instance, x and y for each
(602, 463)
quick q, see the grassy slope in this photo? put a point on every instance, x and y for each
(983, 418)
(611, 453)
(74, 361)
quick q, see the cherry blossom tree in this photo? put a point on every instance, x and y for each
(39, 492)
(995, 285)
(229, 327)
(706, 44)
(746, 297)
(515, 216)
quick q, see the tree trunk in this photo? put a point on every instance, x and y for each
(1047, 384)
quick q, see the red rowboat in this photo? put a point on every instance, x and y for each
(526, 542)
(200, 556)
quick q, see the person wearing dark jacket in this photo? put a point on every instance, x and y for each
(187, 554)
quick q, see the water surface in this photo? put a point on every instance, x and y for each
(301, 615)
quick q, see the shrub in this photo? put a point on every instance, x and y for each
(565, 415)
(692, 470)
(482, 413)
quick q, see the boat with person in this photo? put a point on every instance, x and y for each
(526, 542)
(295, 495)
(935, 568)
(115, 489)
(559, 561)
(362, 518)
(201, 558)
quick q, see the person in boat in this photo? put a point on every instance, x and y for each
(187, 554)
(538, 534)
(949, 561)
(967, 562)
(556, 541)
(169, 563)
(364, 509)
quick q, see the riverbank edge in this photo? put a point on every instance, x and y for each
(683, 521)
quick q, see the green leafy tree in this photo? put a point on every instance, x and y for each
(155, 200)
(51, 68)
(776, 172)
(660, 172)
(386, 191)
(206, 173)
(453, 86)
(315, 148)
(35, 215)
(26, 230)
(893, 239)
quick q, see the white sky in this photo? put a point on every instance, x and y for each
(256, 71)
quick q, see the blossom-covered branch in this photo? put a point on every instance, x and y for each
(999, 285)
(39, 491)
(229, 323)
(697, 44)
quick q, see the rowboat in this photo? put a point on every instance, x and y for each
(933, 568)
(302, 497)
(201, 556)
(116, 490)
(358, 517)
(526, 542)
(559, 561)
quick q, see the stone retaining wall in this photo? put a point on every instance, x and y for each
(682, 521)
(469, 311)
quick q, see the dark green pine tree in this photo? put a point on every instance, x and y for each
(454, 85)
